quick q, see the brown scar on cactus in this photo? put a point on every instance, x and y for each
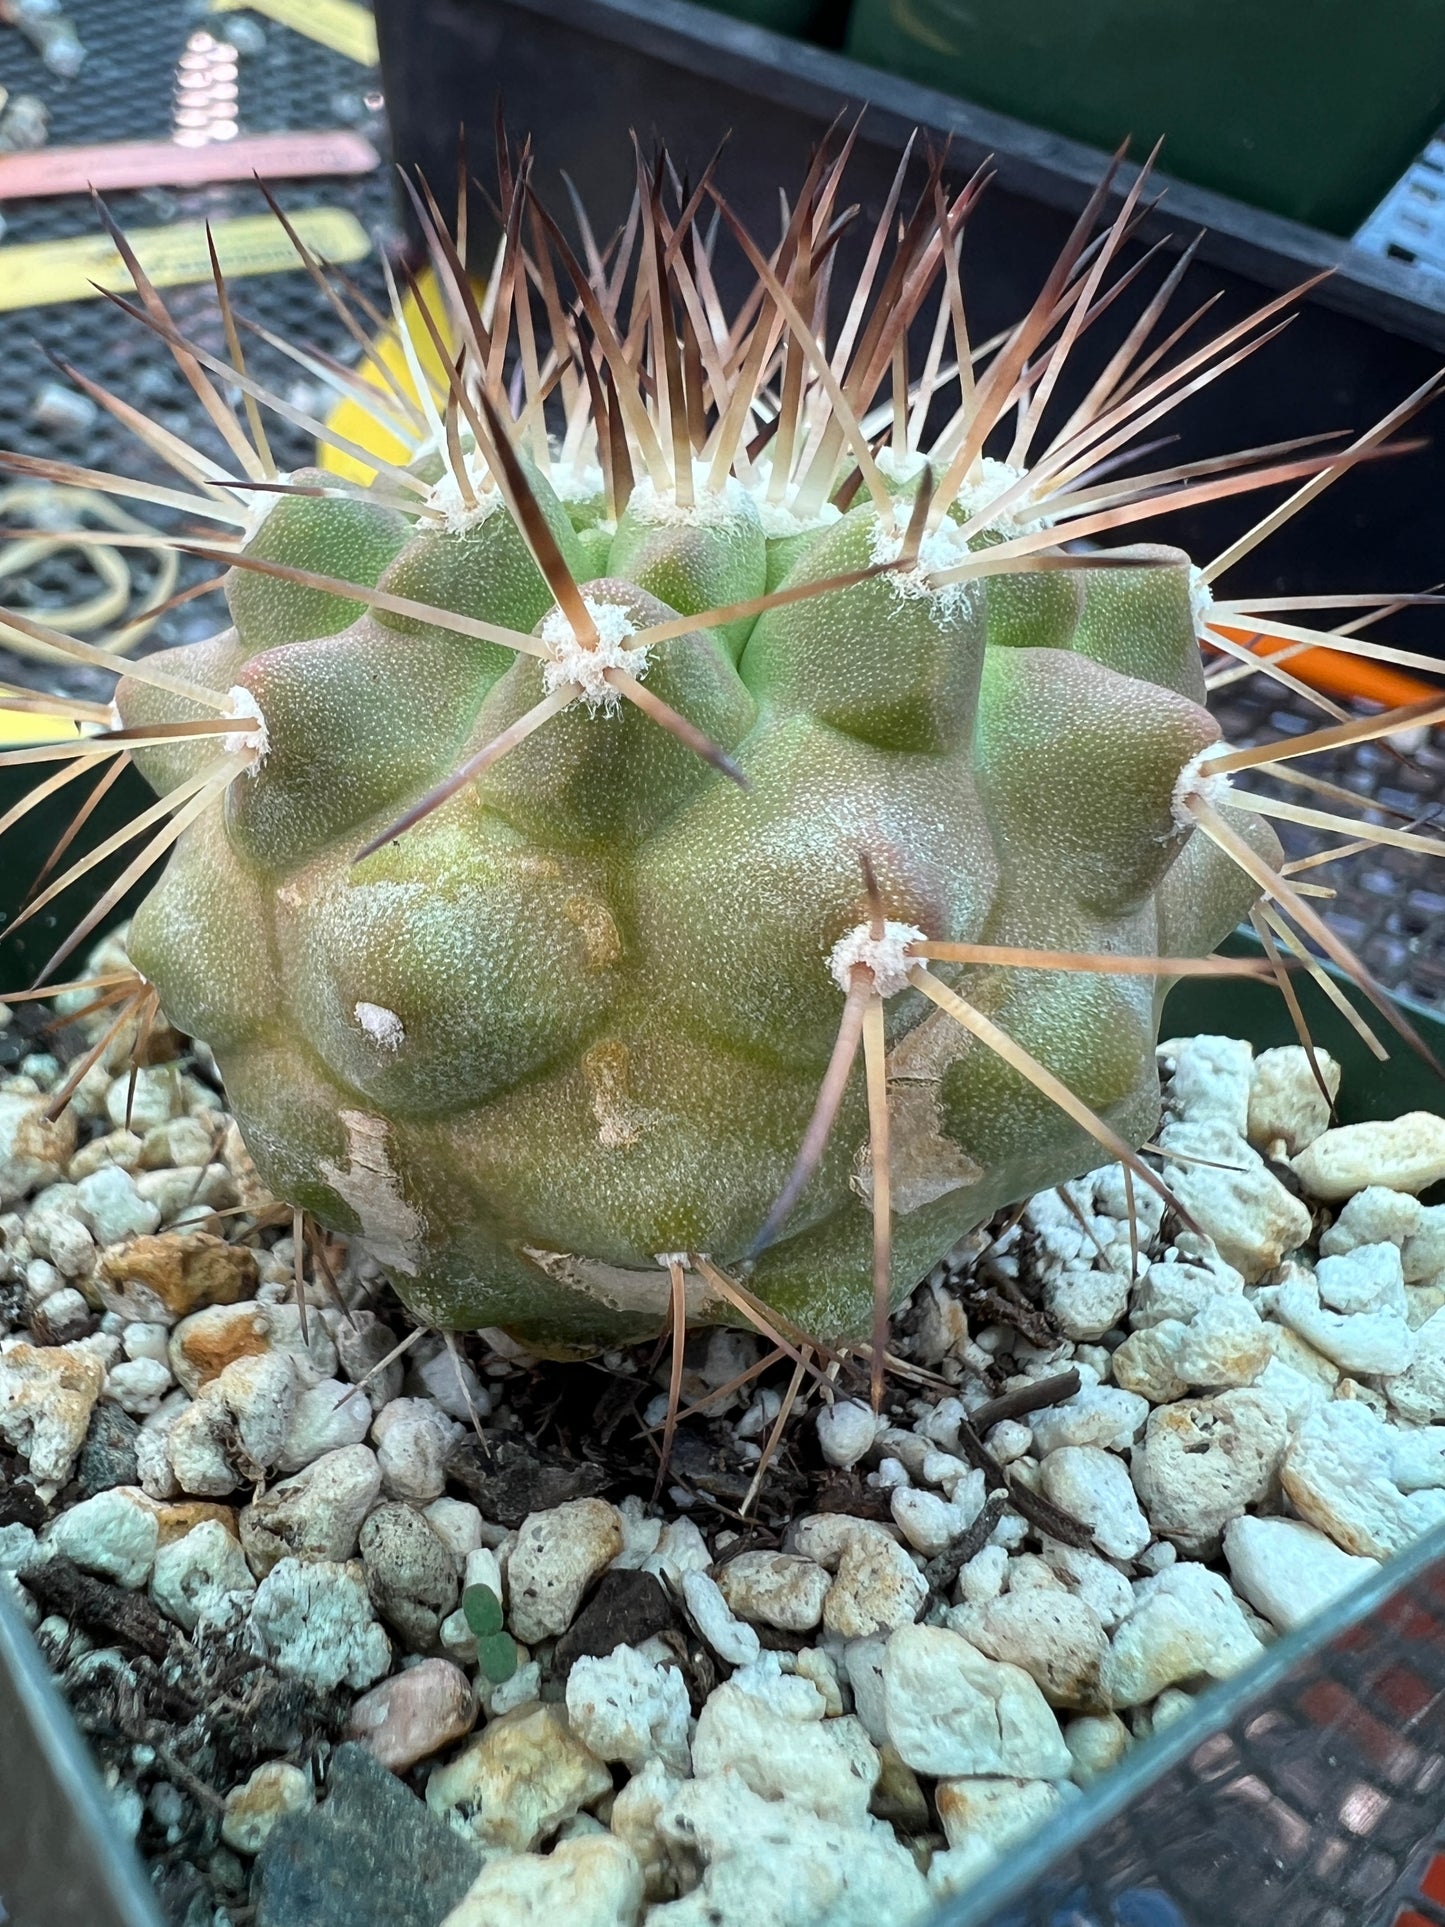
(512, 827)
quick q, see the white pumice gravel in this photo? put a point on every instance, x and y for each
(1094, 1486)
(113, 1534)
(846, 1429)
(1287, 1570)
(626, 1707)
(202, 1575)
(981, 1817)
(1258, 1423)
(734, 1642)
(949, 1710)
(557, 1555)
(314, 1619)
(783, 1750)
(412, 1437)
(775, 1589)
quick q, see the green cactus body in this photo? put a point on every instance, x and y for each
(576, 1019)
(551, 1051)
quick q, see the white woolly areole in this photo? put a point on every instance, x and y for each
(577, 481)
(984, 483)
(883, 956)
(1195, 780)
(573, 661)
(778, 519)
(667, 1259)
(253, 735)
(381, 1025)
(447, 501)
(899, 464)
(939, 550)
(945, 546)
(1201, 598)
(709, 508)
(258, 506)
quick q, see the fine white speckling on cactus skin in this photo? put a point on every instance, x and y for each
(587, 741)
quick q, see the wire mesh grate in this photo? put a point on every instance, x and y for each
(125, 90)
(1315, 1801)
(1389, 903)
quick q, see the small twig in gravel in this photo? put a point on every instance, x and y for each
(127, 1617)
(753, 1538)
(183, 1777)
(1046, 1517)
(1018, 1315)
(942, 1571)
(1027, 1398)
(1041, 1513)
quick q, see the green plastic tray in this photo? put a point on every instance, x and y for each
(1311, 108)
(802, 19)
(1231, 1007)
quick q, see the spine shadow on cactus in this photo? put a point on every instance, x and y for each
(711, 699)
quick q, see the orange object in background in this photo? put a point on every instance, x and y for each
(1336, 674)
(1432, 1885)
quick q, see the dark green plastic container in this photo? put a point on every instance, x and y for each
(1311, 108)
(1231, 1007)
(25, 952)
(801, 19)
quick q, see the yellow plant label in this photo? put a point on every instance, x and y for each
(29, 727)
(35, 273)
(351, 417)
(339, 24)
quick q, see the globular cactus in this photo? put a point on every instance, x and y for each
(710, 695)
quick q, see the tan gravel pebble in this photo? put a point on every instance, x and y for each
(167, 1276)
(557, 1555)
(518, 1782)
(593, 1881)
(1402, 1154)
(254, 1807)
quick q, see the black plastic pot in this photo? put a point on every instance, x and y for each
(576, 75)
